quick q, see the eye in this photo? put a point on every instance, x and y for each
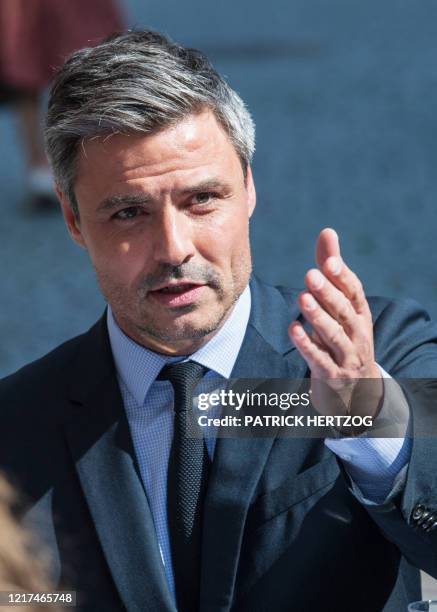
(128, 213)
(204, 197)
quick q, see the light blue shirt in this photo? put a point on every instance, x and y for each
(374, 464)
(149, 405)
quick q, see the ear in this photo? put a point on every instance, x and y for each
(251, 192)
(71, 220)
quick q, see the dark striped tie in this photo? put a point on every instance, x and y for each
(186, 485)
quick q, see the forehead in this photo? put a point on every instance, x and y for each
(194, 146)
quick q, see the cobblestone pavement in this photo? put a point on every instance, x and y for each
(344, 96)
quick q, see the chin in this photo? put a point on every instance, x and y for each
(191, 328)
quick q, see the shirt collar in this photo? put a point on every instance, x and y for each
(138, 366)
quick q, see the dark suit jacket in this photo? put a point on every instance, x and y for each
(282, 530)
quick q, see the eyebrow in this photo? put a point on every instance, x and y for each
(208, 185)
(116, 201)
(124, 200)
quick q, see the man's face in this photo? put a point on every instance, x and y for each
(165, 220)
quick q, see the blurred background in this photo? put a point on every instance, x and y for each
(343, 94)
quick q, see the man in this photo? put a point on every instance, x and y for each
(151, 152)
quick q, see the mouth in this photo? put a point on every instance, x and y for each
(176, 294)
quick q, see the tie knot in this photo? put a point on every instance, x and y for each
(184, 377)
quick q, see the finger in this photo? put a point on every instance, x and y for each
(347, 282)
(327, 246)
(331, 333)
(319, 361)
(334, 302)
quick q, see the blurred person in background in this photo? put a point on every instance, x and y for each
(21, 569)
(35, 38)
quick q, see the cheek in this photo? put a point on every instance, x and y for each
(117, 257)
(225, 238)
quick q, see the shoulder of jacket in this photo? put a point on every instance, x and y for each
(49, 369)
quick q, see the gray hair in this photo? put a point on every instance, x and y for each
(135, 82)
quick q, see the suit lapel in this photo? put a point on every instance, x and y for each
(101, 447)
(100, 443)
(238, 463)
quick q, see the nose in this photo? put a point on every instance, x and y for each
(173, 237)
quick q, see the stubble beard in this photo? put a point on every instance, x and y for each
(142, 326)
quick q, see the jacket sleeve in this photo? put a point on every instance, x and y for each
(406, 347)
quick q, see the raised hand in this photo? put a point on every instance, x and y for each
(339, 350)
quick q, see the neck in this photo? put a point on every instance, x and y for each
(174, 348)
